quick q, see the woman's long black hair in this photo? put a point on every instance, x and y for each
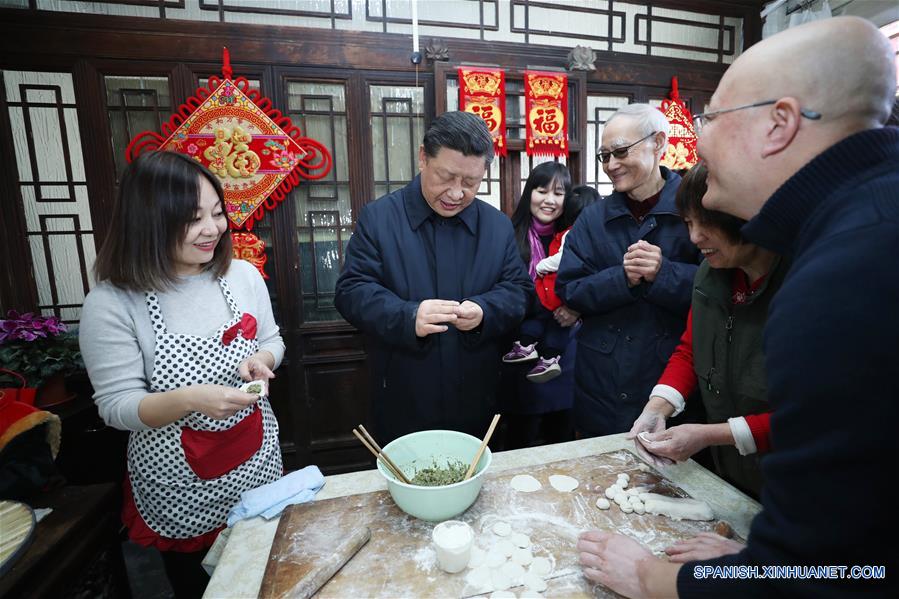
(542, 175)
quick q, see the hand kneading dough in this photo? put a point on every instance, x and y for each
(565, 484)
(525, 483)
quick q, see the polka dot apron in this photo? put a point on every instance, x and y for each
(186, 476)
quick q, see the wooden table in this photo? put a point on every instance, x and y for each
(243, 559)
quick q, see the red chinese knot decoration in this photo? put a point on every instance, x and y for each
(483, 92)
(247, 246)
(546, 109)
(257, 153)
(681, 152)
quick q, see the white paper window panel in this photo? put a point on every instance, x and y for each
(599, 109)
(397, 126)
(58, 232)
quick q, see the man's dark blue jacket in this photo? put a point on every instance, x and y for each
(831, 354)
(628, 333)
(401, 253)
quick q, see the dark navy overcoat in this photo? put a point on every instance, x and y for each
(401, 253)
(628, 334)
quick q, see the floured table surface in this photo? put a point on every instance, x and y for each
(399, 560)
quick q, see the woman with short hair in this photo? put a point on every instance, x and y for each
(720, 352)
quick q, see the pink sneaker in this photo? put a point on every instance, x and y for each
(521, 353)
(545, 370)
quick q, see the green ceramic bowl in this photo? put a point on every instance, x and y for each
(421, 449)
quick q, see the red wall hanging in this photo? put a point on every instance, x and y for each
(258, 153)
(483, 92)
(681, 152)
(546, 107)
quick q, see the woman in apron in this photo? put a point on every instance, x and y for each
(169, 334)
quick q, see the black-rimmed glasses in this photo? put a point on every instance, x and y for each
(700, 120)
(621, 152)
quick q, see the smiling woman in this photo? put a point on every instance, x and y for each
(168, 335)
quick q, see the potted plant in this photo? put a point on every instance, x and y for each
(42, 351)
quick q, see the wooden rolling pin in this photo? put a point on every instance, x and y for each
(328, 567)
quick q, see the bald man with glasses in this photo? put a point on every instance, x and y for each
(795, 144)
(628, 268)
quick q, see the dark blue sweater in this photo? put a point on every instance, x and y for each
(832, 356)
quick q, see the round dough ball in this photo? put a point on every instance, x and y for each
(640, 508)
(612, 491)
(603, 503)
(522, 557)
(541, 566)
(626, 508)
(621, 499)
(502, 528)
(520, 540)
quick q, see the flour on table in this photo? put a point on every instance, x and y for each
(525, 483)
(562, 483)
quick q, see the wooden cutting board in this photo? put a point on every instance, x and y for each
(399, 560)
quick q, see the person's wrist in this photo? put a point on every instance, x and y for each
(644, 574)
(661, 406)
(186, 399)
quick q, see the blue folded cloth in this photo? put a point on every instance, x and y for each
(268, 500)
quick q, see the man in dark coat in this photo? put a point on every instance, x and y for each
(628, 268)
(433, 276)
(798, 148)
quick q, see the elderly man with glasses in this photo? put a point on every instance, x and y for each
(628, 268)
(796, 144)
